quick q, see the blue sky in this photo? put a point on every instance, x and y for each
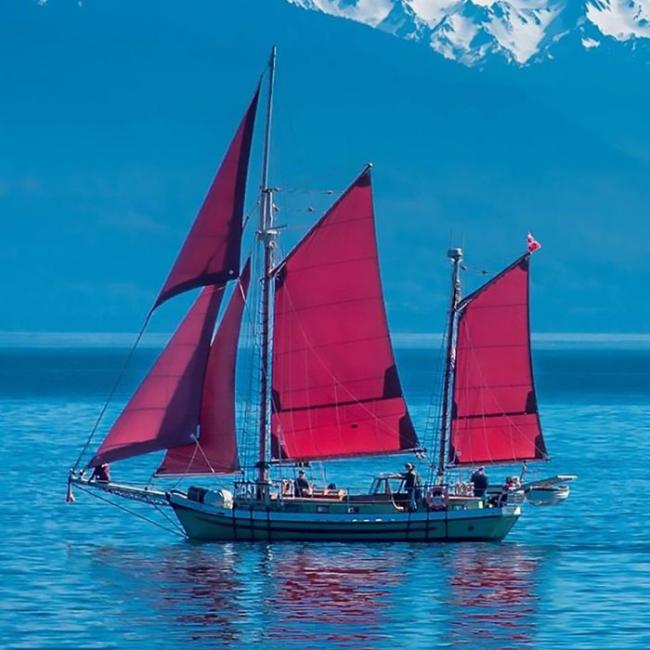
(115, 116)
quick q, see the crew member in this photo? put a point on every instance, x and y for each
(512, 483)
(480, 482)
(301, 485)
(101, 473)
(412, 486)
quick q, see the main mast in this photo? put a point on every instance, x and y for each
(456, 256)
(266, 235)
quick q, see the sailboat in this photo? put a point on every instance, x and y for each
(329, 386)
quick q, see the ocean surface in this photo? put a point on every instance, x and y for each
(89, 575)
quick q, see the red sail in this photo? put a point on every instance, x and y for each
(216, 451)
(164, 412)
(336, 391)
(211, 252)
(494, 415)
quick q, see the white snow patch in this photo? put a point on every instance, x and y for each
(524, 32)
(590, 43)
(621, 19)
(432, 11)
(370, 12)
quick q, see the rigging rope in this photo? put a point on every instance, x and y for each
(131, 512)
(112, 391)
(173, 522)
(251, 336)
(433, 422)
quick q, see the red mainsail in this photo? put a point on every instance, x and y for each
(216, 451)
(164, 412)
(494, 414)
(336, 390)
(211, 252)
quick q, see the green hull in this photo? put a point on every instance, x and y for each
(261, 525)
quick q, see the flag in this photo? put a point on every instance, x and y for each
(533, 244)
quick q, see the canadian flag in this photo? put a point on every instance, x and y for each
(533, 244)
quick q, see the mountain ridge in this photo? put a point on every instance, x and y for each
(521, 31)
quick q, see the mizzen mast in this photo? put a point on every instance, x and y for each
(456, 257)
(266, 235)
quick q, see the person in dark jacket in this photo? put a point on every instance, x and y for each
(301, 485)
(412, 486)
(480, 482)
(101, 473)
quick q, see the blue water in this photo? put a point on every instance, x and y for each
(90, 576)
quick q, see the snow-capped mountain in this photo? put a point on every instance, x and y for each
(520, 30)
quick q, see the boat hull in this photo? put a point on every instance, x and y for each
(547, 495)
(207, 523)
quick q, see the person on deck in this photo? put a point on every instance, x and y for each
(480, 482)
(301, 485)
(511, 483)
(412, 486)
(101, 473)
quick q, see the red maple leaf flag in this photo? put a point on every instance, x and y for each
(533, 244)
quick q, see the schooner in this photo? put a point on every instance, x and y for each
(329, 387)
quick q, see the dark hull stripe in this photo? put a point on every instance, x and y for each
(371, 528)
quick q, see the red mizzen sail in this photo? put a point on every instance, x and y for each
(494, 415)
(216, 451)
(336, 391)
(211, 252)
(164, 412)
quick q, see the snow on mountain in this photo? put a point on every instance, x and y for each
(519, 30)
(620, 19)
(476, 28)
(370, 12)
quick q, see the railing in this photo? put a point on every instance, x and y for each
(435, 496)
(283, 489)
(126, 491)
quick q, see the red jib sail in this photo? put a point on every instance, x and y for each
(164, 412)
(211, 252)
(336, 390)
(216, 450)
(494, 414)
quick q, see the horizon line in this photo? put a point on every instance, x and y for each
(415, 340)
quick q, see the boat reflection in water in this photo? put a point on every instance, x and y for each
(492, 595)
(342, 594)
(473, 595)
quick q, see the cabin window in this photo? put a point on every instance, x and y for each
(353, 510)
(322, 508)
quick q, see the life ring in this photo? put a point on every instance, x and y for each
(437, 498)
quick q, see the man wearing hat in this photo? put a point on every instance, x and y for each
(411, 485)
(480, 482)
(301, 485)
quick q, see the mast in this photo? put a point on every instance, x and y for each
(456, 256)
(266, 235)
